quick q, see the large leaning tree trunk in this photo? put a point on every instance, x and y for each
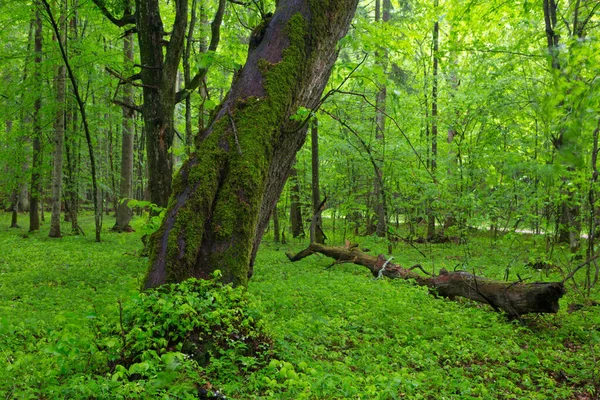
(515, 299)
(224, 194)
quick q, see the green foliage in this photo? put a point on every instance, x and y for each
(203, 319)
(336, 332)
(155, 214)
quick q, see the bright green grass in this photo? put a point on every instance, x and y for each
(338, 332)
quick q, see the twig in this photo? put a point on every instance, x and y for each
(235, 135)
(589, 260)
(369, 102)
(129, 80)
(418, 266)
(127, 105)
(327, 95)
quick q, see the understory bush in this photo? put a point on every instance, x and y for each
(176, 337)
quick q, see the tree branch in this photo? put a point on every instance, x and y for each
(215, 28)
(127, 105)
(124, 20)
(129, 80)
(175, 44)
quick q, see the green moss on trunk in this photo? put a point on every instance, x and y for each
(214, 210)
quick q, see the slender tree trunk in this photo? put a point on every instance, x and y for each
(592, 202)
(59, 136)
(15, 193)
(276, 229)
(124, 213)
(380, 206)
(316, 195)
(568, 225)
(434, 126)
(187, 75)
(14, 223)
(225, 193)
(296, 225)
(36, 178)
(80, 103)
(112, 195)
(72, 147)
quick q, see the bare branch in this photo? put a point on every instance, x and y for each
(127, 105)
(129, 80)
(126, 19)
(215, 28)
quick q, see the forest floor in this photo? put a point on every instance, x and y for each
(338, 333)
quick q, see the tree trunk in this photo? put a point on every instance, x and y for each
(59, 137)
(159, 76)
(187, 77)
(592, 202)
(15, 192)
(81, 106)
(36, 178)
(295, 208)
(276, 236)
(72, 149)
(515, 299)
(124, 213)
(15, 210)
(380, 204)
(225, 193)
(434, 126)
(568, 224)
(319, 237)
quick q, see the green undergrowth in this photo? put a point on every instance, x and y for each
(73, 325)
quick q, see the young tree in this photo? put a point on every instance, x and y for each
(36, 178)
(380, 206)
(59, 134)
(225, 193)
(124, 213)
(296, 224)
(317, 229)
(434, 121)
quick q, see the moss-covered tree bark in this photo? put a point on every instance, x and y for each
(224, 194)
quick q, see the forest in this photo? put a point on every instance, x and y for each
(299, 199)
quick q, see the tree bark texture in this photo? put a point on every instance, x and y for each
(319, 237)
(159, 76)
(276, 229)
(380, 102)
(515, 299)
(36, 178)
(434, 124)
(225, 192)
(124, 213)
(296, 224)
(59, 137)
(72, 147)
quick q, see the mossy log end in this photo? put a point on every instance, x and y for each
(515, 299)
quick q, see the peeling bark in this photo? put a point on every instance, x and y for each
(515, 299)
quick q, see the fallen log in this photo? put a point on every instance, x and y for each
(515, 299)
